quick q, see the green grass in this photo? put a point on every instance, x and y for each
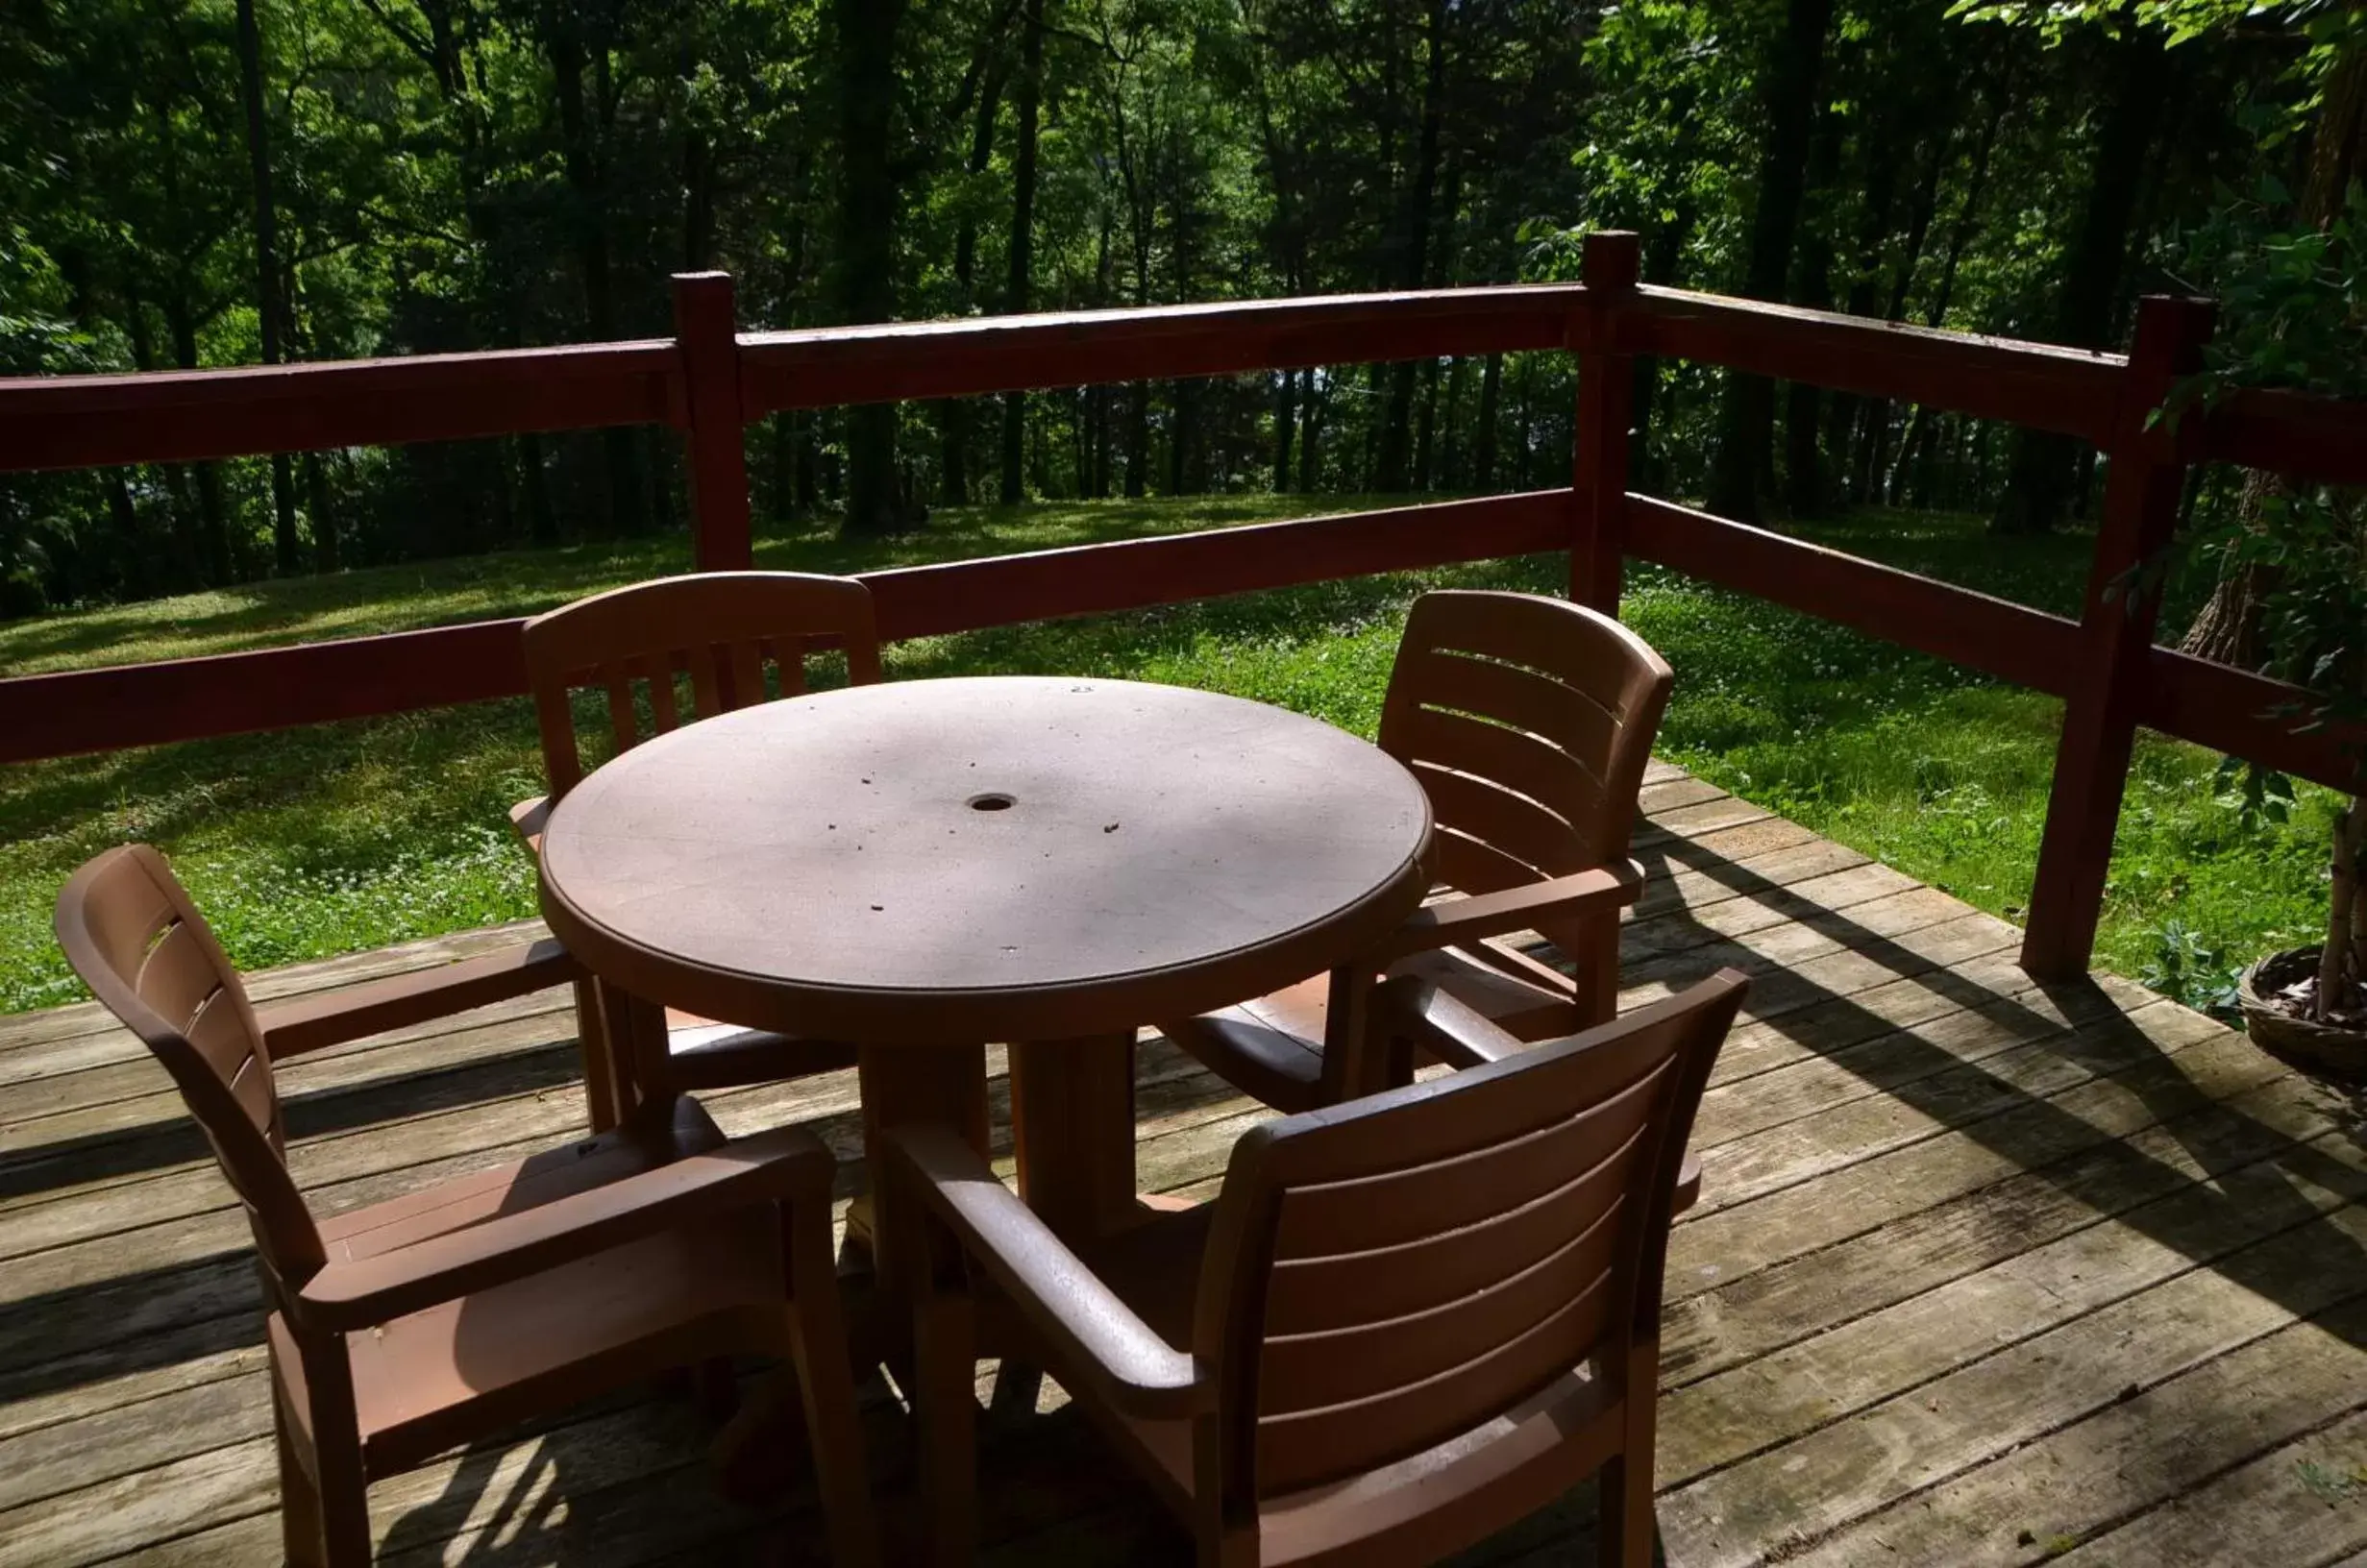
(340, 837)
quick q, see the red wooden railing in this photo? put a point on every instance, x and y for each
(711, 380)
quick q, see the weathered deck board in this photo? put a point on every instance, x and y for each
(1985, 1271)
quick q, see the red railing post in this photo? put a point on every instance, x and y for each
(705, 330)
(2141, 492)
(1606, 407)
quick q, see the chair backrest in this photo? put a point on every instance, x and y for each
(1385, 1275)
(1530, 721)
(129, 929)
(719, 628)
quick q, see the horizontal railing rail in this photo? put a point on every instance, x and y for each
(710, 381)
(191, 415)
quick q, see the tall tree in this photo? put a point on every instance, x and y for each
(576, 42)
(867, 203)
(2038, 491)
(1028, 107)
(1412, 242)
(270, 312)
(953, 415)
(1746, 421)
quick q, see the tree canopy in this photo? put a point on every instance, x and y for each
(189, 182)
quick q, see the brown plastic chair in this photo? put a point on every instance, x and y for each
(1403, 1324)
(1529, 721)
(720, 629)
(400, 1330)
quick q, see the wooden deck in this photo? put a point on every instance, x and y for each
(1982, 1272)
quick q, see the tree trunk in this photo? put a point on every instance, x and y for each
(2337, 967)
(1661, 255)
(542, 523)
(1426, 428)
(784, 466)
(1414, 246)
(1804, 487)
(1183, 430)
(953, 413)
(1920, 424)
(1310, 427)
(698, 202)
(1286, 427)
(1454, 466)
(1138, 440)
(2039, 482)
(213, 517)
(1747, 417)
(867, 243)
(327, 556)
(270, 313)
(1483, 439)
(570, 55)
(1028, 108)
(123, 518)
(1842, 408)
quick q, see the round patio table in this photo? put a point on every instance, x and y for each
(924, 867)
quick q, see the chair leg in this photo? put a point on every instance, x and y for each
(344, 1506)
(1624, 1522)
(715, 1391)
(600, 1075)
(300, 1498)
(1597, 961)
(945, 1407)
(825, 1381)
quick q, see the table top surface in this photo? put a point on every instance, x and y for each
(990, 854)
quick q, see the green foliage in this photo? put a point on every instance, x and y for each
(2188, 969)
(2183, 20)
(2294, 299)
(2292, 292)
(472, 174)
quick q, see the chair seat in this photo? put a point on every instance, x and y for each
(438, 1377)
(425, 1383)
(709, 1055)
(1271, 1049)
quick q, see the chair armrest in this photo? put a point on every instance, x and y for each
(331, 1017)
(1458, 920)
(528, 817)
(1456, 1033)
(1136, 1370)
(787, 1164)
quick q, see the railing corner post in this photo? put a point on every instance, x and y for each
(1605, 414)
(706, 335)
(2141, 493)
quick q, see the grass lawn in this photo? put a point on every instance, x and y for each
(341, 837)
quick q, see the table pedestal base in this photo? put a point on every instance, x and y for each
(1072, 1128)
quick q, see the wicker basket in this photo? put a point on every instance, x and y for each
(2340, 1053)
